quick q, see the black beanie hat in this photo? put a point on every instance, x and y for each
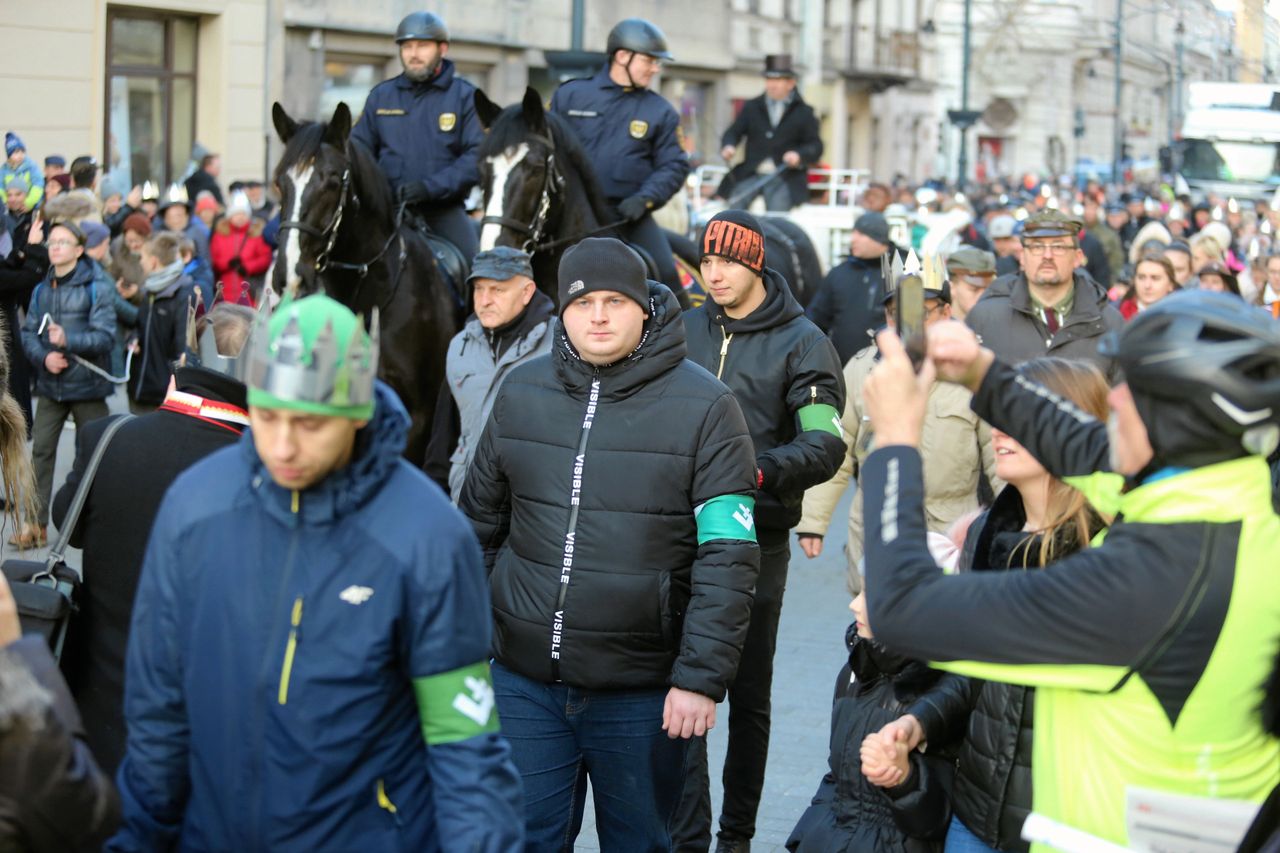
(602, 263)
(736, 235)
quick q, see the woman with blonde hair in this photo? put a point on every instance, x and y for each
(1035, 520)
(1205, 249)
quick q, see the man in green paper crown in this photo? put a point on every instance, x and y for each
(308, 666)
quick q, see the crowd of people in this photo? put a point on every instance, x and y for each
(289, 637)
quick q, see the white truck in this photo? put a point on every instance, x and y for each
(1230, 144)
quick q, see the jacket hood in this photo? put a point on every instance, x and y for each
(1088, 290)
(779, 307)
(377, 453)
(662, 348)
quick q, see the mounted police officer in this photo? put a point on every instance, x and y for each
(422, 127)
(632, 136)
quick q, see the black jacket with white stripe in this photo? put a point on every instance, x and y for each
(583, 493)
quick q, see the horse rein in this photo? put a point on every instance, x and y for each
(552, 182)
(329, 234)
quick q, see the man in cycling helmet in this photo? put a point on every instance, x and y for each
(1149, 650)
(632, 137)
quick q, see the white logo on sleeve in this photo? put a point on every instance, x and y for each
(477, 706)
(743, 516)
(356, 595)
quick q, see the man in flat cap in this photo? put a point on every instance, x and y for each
(1050, 307)
(782, 134)
(511, 323)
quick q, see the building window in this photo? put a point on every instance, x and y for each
(349, 78)
(151, 95)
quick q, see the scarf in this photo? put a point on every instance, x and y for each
(162, 279)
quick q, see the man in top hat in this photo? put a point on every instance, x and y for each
(782, 136)
(423, 128)
(1051, 306)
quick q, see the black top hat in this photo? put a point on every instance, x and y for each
(778, 65)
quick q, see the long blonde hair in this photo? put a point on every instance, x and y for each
(1069, 522)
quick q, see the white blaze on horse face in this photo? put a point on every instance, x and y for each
(501, 166)
(299, 177)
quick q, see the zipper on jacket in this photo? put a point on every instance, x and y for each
(724, 350)
(286, 670)
(813, 395)
(384, 802)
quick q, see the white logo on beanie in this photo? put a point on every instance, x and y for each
(576, 286)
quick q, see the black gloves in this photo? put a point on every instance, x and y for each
(413, 192)
(634, 208)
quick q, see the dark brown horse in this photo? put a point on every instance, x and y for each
(341, 233)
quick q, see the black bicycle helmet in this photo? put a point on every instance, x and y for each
(1204, 370)
(640, 36)
(422, 26)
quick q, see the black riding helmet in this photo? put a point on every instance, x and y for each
(1204, 371)
(639, 36)
(422, 26)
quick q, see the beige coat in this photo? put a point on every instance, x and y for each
(956, 445)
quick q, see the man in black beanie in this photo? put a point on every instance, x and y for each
(786, 376)
(847, 304)
(612, 493)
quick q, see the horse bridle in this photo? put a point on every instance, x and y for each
(552, 183)
(329, 234)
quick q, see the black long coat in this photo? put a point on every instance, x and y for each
(797, 131)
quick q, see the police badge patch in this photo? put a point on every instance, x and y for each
(639, 129)
(447, 121)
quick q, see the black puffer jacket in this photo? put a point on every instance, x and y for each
(848, 305)
(776, 362)
(848, 813)
(582, 494)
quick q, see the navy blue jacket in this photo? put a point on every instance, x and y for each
(425, 132)
(275, 646)
(631, 135)
(86, 311)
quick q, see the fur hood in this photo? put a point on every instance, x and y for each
(23, 701)
(71, 206)
(256, 226)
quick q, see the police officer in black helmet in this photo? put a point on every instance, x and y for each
(422, 127)
(631, 135)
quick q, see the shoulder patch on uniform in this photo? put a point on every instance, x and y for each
(447, 121)
(639, 129)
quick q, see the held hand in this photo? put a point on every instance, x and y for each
(10, 628)
(792, 159)
(958, 356)
(414, 192)
(55, 363)
(686, 714)
(728, 151)
(810, 544)
(906, 729)
(885, 763)
(634, 208)
(896, 397)
(57, 335)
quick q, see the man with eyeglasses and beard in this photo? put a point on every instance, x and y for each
(1050, 307)
(422, 127)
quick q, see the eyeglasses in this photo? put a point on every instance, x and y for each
(1057, 250)
(62, 244)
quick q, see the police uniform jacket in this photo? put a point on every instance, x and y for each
(425, 132)
(631, 136)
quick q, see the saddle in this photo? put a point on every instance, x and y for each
(454, 266)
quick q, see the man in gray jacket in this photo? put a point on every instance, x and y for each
(511, 325)
(1050, 307)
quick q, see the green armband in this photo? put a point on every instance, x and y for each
(726, 517)
(456, 705)
(820, 417)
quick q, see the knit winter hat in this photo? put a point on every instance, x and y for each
(12, 143)
(736, 235)
(137, 223)
(95, 233)
(314, 356)
(602, 263)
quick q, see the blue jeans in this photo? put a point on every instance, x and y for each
(562, 736)
(961, 840)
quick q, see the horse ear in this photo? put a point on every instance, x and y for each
(285, 126)
(534, 115)
(339, 127)
(486, 110)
